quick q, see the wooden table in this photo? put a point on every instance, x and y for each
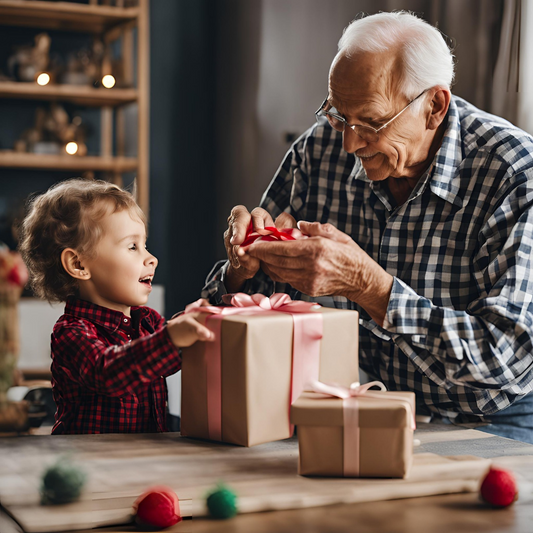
(452, 513)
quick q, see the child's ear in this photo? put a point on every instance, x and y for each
(72, 263)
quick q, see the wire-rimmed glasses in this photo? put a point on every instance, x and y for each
(338, 122)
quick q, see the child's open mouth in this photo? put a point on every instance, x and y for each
(147, 280)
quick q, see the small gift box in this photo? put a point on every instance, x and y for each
(354, 432)
(239, 388)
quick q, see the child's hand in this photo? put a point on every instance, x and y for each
(186, 329)
(201, 302)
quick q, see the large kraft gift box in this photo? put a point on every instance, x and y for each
(384, 446)
(256, 365)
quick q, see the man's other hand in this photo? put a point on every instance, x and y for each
(243, 266)
(329, 262)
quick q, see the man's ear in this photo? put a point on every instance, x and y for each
(439, 104)
(72, 263)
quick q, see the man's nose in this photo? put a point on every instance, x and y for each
(351, 142)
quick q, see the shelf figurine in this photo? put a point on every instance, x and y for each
(28, 61)
(84, 66)
(52, 132)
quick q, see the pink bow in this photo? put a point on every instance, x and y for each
(339, 391)
(350, 396)
(307, 333)
(277, 302)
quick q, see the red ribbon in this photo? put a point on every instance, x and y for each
(350, 410)
(274, 234)
(307, 332)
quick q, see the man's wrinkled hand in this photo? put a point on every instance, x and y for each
(243, 266)
(328, 263)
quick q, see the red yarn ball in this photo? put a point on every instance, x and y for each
(158, 508)
(499, 487)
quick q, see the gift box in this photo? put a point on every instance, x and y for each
(366, 435)
(241, 393)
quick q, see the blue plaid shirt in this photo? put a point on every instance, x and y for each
(459, 325)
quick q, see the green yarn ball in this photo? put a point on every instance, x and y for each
(62, 483)
(222, 502)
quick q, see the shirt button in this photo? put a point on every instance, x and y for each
(126, 320)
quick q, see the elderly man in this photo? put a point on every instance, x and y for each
(418, 209)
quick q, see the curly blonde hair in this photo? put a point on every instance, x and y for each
(67, 216)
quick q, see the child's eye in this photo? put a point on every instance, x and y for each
(133, 247)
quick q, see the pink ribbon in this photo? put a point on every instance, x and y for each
(350, 410)
(307, 332)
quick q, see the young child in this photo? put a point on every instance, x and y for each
(84, 244)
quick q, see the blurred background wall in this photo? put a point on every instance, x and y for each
(234, 82)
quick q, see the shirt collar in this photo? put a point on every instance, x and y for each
(102, 316)
(445, 181)
(442, 173)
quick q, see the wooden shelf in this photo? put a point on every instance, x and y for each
(65, 16)
(76, 94)
(130, 26)
(10, 159)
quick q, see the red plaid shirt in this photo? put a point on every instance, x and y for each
(108, 370)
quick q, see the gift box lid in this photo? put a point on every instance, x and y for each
(316, 409)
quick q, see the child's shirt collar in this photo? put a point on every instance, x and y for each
(103, 316)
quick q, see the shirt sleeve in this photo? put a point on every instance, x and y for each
(112, 370)
(489, 345)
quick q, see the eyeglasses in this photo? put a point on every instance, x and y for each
(338, 122)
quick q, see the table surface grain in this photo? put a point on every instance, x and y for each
(451, 513)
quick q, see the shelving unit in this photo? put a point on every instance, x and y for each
(119, 165)
(76, 94)
(90, 18)
(111, 23)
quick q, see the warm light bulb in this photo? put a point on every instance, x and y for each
(43, 78)
(108, 81)
(71, 148)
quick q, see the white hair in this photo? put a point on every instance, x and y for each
(427, 60)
